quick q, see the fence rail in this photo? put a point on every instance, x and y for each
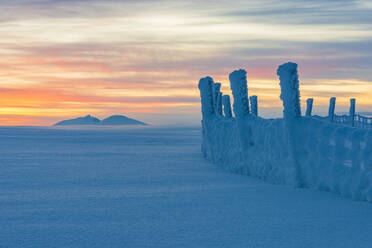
(356, 121)
(347, 120)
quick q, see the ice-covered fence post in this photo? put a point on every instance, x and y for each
(253, 100)
(216, 91)
(206, 87)
(331, 110)
(309, 106)
(238, 84)
(206, 94)
(219, 104)
(227, 106)
(290, 95)
(352, 111)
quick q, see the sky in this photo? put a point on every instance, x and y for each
(143, 58)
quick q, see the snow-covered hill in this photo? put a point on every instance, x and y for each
(114, 120)
(121, 120)
(87, 120)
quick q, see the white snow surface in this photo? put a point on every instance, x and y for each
(151, 187)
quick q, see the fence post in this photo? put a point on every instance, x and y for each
(207, 99)
(227, 106)
(206, 87)
(216, 91)
(219, 104)
(352, 111)
(238, 84)
(290, 95)
(309, 106)
(331, 110)
(254, 107)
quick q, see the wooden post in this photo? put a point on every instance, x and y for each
(238, 84)
(206, 87)
(290, 95)
(309, 106)
(331, 110)
(206, 93)
(254, 107)
(239, 88)
(352, 111)
(227, 106)
(219, 104)
(216, 91)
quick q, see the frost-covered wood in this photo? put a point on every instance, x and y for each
(332, 106)
(238, 84)
(219, 104)
(216, 92)
(206, 94)
(352, 111)
(227, 106)
(290, 93)
(254, 107)
(309, 106)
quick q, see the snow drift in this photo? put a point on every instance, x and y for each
(302, 151)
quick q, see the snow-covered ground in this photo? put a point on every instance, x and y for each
(151, 187)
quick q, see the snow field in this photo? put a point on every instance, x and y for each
(151, 187)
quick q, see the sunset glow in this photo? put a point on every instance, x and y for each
(61, 59)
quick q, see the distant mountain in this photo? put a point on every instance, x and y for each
(87, 120)
(114, 120)
(121, 120)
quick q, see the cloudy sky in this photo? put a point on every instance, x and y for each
(143, 58)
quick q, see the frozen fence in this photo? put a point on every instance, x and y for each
(352, 119)
(302, 151)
